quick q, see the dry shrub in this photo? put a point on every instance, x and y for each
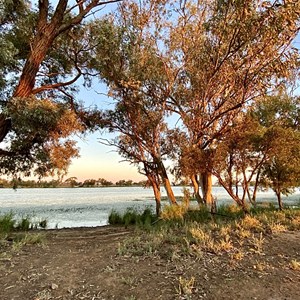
(251, 223)
(173, 212)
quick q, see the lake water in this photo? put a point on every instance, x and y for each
(76, 207)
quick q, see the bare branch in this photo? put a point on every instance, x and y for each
(82, 14)
(55, 85)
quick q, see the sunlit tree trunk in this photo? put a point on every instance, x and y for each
(206, 187)
(195, 183)
(46, 32)
(157, 195)
(166, 182)
(256, 187)
(32, 65)
(154, 181)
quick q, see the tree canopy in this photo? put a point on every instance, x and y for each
(45, 49)
(206, 62)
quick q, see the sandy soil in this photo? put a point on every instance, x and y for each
(85, 264)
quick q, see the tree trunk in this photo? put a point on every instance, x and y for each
(169, 191)
(206, 187)
(157, 195)
(255, 187)
(195, 183)
(279, 199)
(229, 190)
(39, 49)
(166, 182)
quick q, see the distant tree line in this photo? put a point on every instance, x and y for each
(69, 182)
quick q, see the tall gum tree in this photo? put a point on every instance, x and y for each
(132, 125)
(279, 115)
(129, 67)
(224, 55)
(46, 52)
(261, 149)
(218, 58)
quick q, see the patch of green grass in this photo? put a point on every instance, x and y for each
(132, 217)
(7, 223)
(174, 213)
(115, 218)
(22, 239)
(23, 225)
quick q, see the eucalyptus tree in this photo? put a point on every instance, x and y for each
(228, 53)
(140, 142)
(281, 172)
(279, 115)
(210, 60)
(262, 147)
(45, 48)
(185, 157)
(135, 77)
(237, 159)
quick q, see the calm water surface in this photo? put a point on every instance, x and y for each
(75, 207)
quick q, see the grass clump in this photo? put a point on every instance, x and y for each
(115, 218)
(295, 265)
(7, 223)
(23, 225)
(14, 232)
(132, 217)
(173, 213)
(186, 287)
(23, 239)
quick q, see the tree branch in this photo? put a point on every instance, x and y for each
(59, 12)
(43, 14)
(82, 14)
(56, 85)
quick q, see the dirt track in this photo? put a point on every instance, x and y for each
(84, 264)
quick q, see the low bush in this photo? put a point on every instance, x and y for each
(8, 223)
(132, 217)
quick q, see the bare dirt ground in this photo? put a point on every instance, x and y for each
(85, 264)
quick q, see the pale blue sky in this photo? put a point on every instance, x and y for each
(98, 160)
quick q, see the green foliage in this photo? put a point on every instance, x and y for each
(43, 224)
(132, 217)
(174, 213)
(123, 182)
(22, 239)
(38, 69)
(11, 41)
(279, 117)
(206, 62)
(7, 223)
(261, 149)
(39, 139)
(23, 225)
